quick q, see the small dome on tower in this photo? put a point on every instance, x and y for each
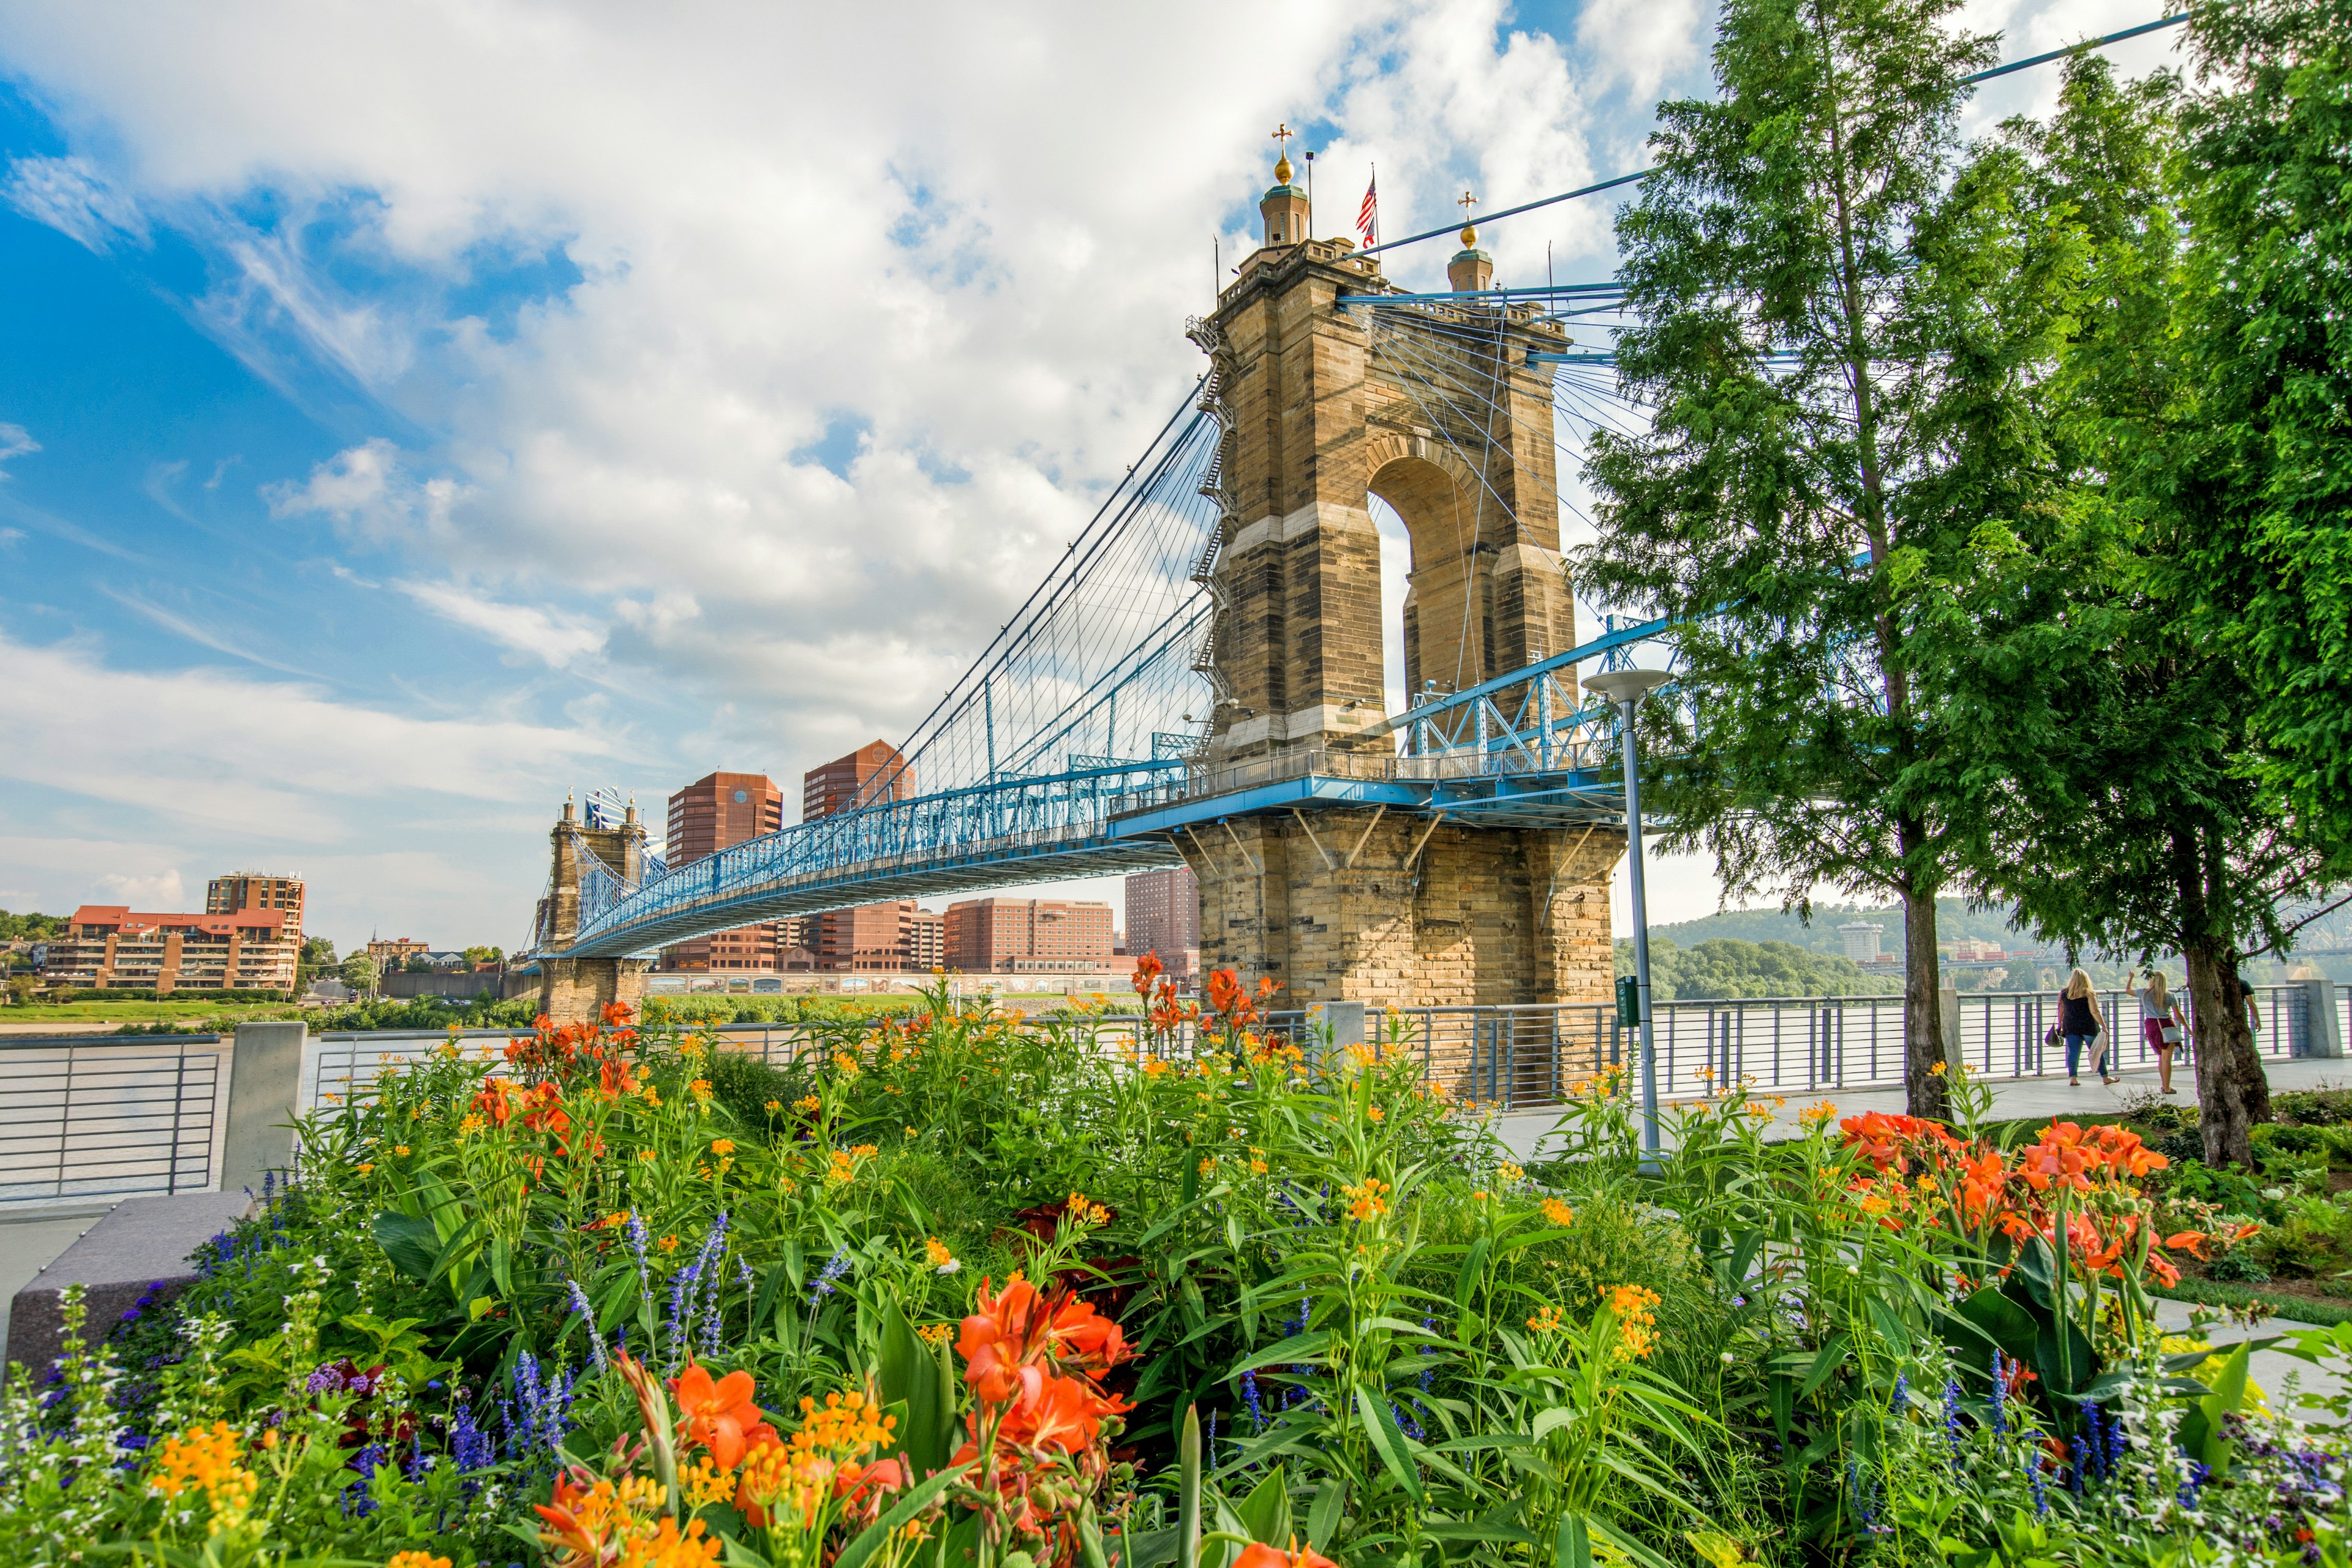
(1471, 268)
(1285, 206)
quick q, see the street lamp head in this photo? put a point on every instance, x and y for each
(1626, 685)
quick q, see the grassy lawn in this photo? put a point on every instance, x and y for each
(141, 1012)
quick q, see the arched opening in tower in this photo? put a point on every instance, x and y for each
(1396, 577)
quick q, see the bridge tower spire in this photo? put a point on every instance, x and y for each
(1437, 411)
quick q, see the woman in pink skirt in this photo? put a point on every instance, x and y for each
(2161, 1023)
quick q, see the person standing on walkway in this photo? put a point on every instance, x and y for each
(2161, 1023)
(2079, 1022)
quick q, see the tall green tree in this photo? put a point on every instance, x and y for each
(2149, 824)
(2266, 322)
(1842, 326)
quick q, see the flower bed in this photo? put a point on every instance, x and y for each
(1016, 1293)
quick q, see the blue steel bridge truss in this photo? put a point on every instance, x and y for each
(1071, 746)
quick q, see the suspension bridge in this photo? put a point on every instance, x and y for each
(1199, 679)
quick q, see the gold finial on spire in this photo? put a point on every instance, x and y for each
(1469, 229)
(1282, 134)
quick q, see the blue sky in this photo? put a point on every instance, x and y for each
(411, 417)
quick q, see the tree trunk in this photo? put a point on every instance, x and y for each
(2232, 1092)
(1927, 1091)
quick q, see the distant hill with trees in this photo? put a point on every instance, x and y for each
(1728, 967)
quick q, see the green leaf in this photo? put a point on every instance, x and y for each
(1572, 1547)
(1389, 1440)
(1323, 1513)
(1473, 1269)
(410, 1241)
(1265, 1512)
(910, 1373)
(1825, 1361)
(1301, 1347)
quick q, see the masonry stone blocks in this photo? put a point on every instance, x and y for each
(1441, 417)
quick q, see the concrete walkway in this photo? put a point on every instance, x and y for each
(1526, 1133)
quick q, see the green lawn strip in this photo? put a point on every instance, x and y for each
(2221, 1293)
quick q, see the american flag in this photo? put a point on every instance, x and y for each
(1368, 217)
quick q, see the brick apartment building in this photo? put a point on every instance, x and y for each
(714, 813)
(1163, 917)
(1027, 936)
(893, 937)
(243, 891)
(113, 947)
(392, 953)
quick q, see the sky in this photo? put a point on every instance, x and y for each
(410, 415)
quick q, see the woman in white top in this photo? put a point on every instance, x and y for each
(2161, 1023)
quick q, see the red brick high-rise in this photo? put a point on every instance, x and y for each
(842, 783)
(714, 813)
(893, 937)
(1163, 916)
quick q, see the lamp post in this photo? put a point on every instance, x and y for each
(1626, 688)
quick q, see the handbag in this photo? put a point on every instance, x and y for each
(2169, 1033)
(2054, 1036)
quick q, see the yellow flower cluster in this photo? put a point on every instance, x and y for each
(1637, 1322)
(206, 1459)
(844, 1426)
(1559, 1213)
(808, 1105)
(1087, 1212)
(669, 1547)
(1510, 1174)
(1546, 1322)
(844, 1064)
(1821, 1110)
(417, 1560)
(936, 1251)
(1367, 1201)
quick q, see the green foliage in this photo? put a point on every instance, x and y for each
(2268, 377)
(427, 1013)
(29, 927)
(1724, 966)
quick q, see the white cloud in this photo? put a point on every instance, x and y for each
(555, 639)
(165, 893)
(369, 494)
(277, 761)
(71, 196)
(15, 441)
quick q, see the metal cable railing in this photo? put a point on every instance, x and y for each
(111, 1116)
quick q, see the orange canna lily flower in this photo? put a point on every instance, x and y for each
(1259, 1555)
(719, 1415)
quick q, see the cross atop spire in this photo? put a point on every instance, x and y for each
(1469, 230)
(1282, 135)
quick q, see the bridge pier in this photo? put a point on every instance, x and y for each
(575, 990)
(1399, 910)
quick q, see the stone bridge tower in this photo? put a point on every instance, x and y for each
(574, 990)
(1435, 409)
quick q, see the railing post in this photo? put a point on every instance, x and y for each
(2319, 1035)
(179, 1098)
(265, 1085)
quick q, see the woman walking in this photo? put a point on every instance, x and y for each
(2161, 1023)
(2079, 1022)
